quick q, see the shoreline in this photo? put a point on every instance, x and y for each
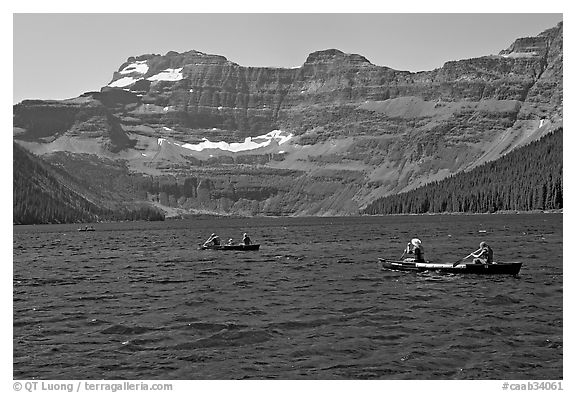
(501, 212)
(231, 216)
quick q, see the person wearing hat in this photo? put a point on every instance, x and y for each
(483, 255)
(415, 248)
(213, 240)
(246, 240)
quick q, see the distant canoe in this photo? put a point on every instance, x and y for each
(86, 229)
(234, 247)
(512, 268)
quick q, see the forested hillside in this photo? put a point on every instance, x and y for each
(39, 197)
(43, 195)
(529, 178)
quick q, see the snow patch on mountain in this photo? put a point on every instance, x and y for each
(250, 143)
(169, 75)
(516, 55)
(123, 82)
(541, 123)
(139, 67)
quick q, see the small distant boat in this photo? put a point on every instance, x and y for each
(232, 247)
(86, 229)
(512, 268)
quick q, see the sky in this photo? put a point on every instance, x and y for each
(58, 56)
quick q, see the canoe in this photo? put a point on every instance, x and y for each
(463, 268)
(234, 247)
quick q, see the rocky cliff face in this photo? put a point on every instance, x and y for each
(348, 131)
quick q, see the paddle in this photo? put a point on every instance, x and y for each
(466, 257)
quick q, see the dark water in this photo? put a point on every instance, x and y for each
(138, 301)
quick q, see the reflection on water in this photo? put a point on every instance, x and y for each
(139, 301)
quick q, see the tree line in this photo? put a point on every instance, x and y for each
(528, 178)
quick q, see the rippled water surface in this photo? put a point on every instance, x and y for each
(139, 301)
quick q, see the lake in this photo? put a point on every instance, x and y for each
(138, 300)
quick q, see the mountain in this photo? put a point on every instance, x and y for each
(200, 133)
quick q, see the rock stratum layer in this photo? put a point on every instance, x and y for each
(199, 133)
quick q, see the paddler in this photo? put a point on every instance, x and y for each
(213, 240)
(484, 255)
(246, 240)
(415, 248)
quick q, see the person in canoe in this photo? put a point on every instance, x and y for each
(415, 251)
(230, 242)
(246, 240)
(483, 255)
(213, 240)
